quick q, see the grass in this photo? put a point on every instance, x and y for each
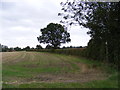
(28, 68)
(91, 63)
(94, 84)
(47, 65)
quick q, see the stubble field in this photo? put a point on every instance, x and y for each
(45, 70)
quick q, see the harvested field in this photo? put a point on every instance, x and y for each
(20, 68)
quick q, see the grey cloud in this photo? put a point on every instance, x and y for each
(6, 5)
(23, 21)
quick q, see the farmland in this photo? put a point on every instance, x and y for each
(45, 70)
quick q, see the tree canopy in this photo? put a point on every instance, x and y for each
(17, 49)
(102, 20)
(54, 35)
(48, 47)
(27, 48)
(39, 47)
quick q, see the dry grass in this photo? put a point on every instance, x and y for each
(29, 67)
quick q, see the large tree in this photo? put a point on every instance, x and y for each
(54, 35)
(102, 20)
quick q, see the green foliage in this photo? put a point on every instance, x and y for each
(74, 52)
(49, 47)
(102, 20)
(4, 48)
(17, 49)
(27, 48)
(39, 47)
(80, 52)
(54, 34)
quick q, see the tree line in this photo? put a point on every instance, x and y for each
(102, 19)
(4, 48)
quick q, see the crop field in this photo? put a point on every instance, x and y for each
(45, 70)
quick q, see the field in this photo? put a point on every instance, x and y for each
(45, 70)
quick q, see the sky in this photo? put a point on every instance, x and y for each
(21, 21)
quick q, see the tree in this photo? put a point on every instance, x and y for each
(102, 20)
(11, 49)
(39, 47)
(27, 48)
(17, 49)
(49, 47)
(32, 48)
(4, 48)
(54, 35)
(0, 48)
(63, 47)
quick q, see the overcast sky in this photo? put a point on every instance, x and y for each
(21, 21)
